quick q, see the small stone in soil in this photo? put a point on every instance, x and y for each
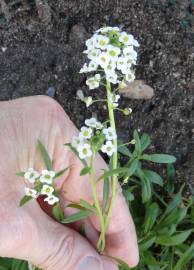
(51, 91)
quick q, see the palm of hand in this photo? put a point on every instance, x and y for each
(22, 123)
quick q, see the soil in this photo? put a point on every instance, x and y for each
(37, 54)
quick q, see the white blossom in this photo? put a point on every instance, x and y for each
(112, 78)
(88, 101)
(47, 190)
(84, 151)
(122, 64)
(80, 94)
(92, 66)
(84, 69)
(47, 176)
(113, 52)
(93, 54)
(76, 141)
(31, 175)
(108, 148)
(103, 59)
(93, 123)
(109, 133)
(93, 82)
(101, 42)
(85, 133)
(51, 200)
(110, 68)
(31, 192)
(130, 76)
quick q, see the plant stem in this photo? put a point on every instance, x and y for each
(115, 157)
(101, 242)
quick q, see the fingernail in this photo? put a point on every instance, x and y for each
(90, 263)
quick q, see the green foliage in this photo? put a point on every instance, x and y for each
(45, 155)
(164, 223)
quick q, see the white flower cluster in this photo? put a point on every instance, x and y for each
(82, 142)
(43, 185)
(112, 51)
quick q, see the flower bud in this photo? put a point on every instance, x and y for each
(127, 111)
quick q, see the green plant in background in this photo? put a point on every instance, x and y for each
(163, 225)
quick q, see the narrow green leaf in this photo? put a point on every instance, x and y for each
(19, 265)
(153, 177)
(21, 174)
(185, 258)
(137, 142)
(152, 212)
(173, 240)
(146, 186)
(45, 156)
(150, 259)
(145, 141)
(133, 167)
(87, 206)
(59, 173)
(76, 153)
(106, 192)
(128, 195)
(174, 202)
(76, 217)
(174, 217)
(3, 268)
(110, 173)
(25, 199)
(148, 242)
(58, 212)
(85, 171)
(122, 149)
(159, 158)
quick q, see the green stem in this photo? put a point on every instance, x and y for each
(114, 158)
(101, 242)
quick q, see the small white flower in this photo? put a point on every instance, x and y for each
(84, 151)
(126, 39)
(110, 68)
(113, 98)
(130, 53)
(76, 141)
(101, 42)
(31, 192)
(47, 176)
(31, 175)
(103, 59)
(80, 94)
(88, 101)
(93, 123)
(109, 133)
(90, 43)
(47, 190)
(85, 133)
(51, 200)
(84, 69)
(122, 85)
(113, 52)
(93, 54)
(108, 148)
(122, 64)
(107, 29)
(130, 76)
(112, 78)
(93, 82)
(92, 66)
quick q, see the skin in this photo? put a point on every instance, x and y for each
(28, 232)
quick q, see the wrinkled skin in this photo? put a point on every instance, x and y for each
(27, 232)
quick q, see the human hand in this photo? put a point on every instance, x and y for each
(27, 232)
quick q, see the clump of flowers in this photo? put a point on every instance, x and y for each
(41, 184)
(111, 52)
(112, 56)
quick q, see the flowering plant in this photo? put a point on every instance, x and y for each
(112, 56)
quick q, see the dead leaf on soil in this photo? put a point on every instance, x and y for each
(137, 90)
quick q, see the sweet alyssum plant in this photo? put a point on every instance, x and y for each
(111, 57)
